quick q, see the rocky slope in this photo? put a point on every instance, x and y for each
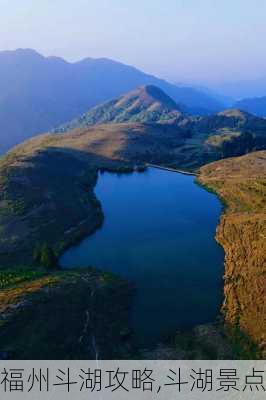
(241, 184)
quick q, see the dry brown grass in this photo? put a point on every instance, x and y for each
(9, 298)
(241, 183)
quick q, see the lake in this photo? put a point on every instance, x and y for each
(158, 232)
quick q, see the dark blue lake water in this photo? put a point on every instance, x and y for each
(158, 231)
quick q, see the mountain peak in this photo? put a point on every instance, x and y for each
(146, 104)
(149, 94)
(20, 54)
(27, 52)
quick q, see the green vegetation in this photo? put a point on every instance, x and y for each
(12, 277)
(201, 139)
(45, 256)
(243, 346)
(232, 143)
(36, 323)
(204, 342)
(147, 104)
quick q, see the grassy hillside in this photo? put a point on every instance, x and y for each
(241, 184)
(147, 104)
(38, 308)
(53, 176)
(209, 138)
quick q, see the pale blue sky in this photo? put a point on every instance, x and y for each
(183, 40)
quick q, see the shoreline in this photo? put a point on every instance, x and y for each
(239, 233)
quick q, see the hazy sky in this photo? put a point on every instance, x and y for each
(182, 40)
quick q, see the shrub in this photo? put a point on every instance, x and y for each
(45, 255)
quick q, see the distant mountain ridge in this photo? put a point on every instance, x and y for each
(231, 118)
(242, 89)
(147, 104)
(39, 93)
(255, 105)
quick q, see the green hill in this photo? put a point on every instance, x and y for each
(147, 104)
(201, 138)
